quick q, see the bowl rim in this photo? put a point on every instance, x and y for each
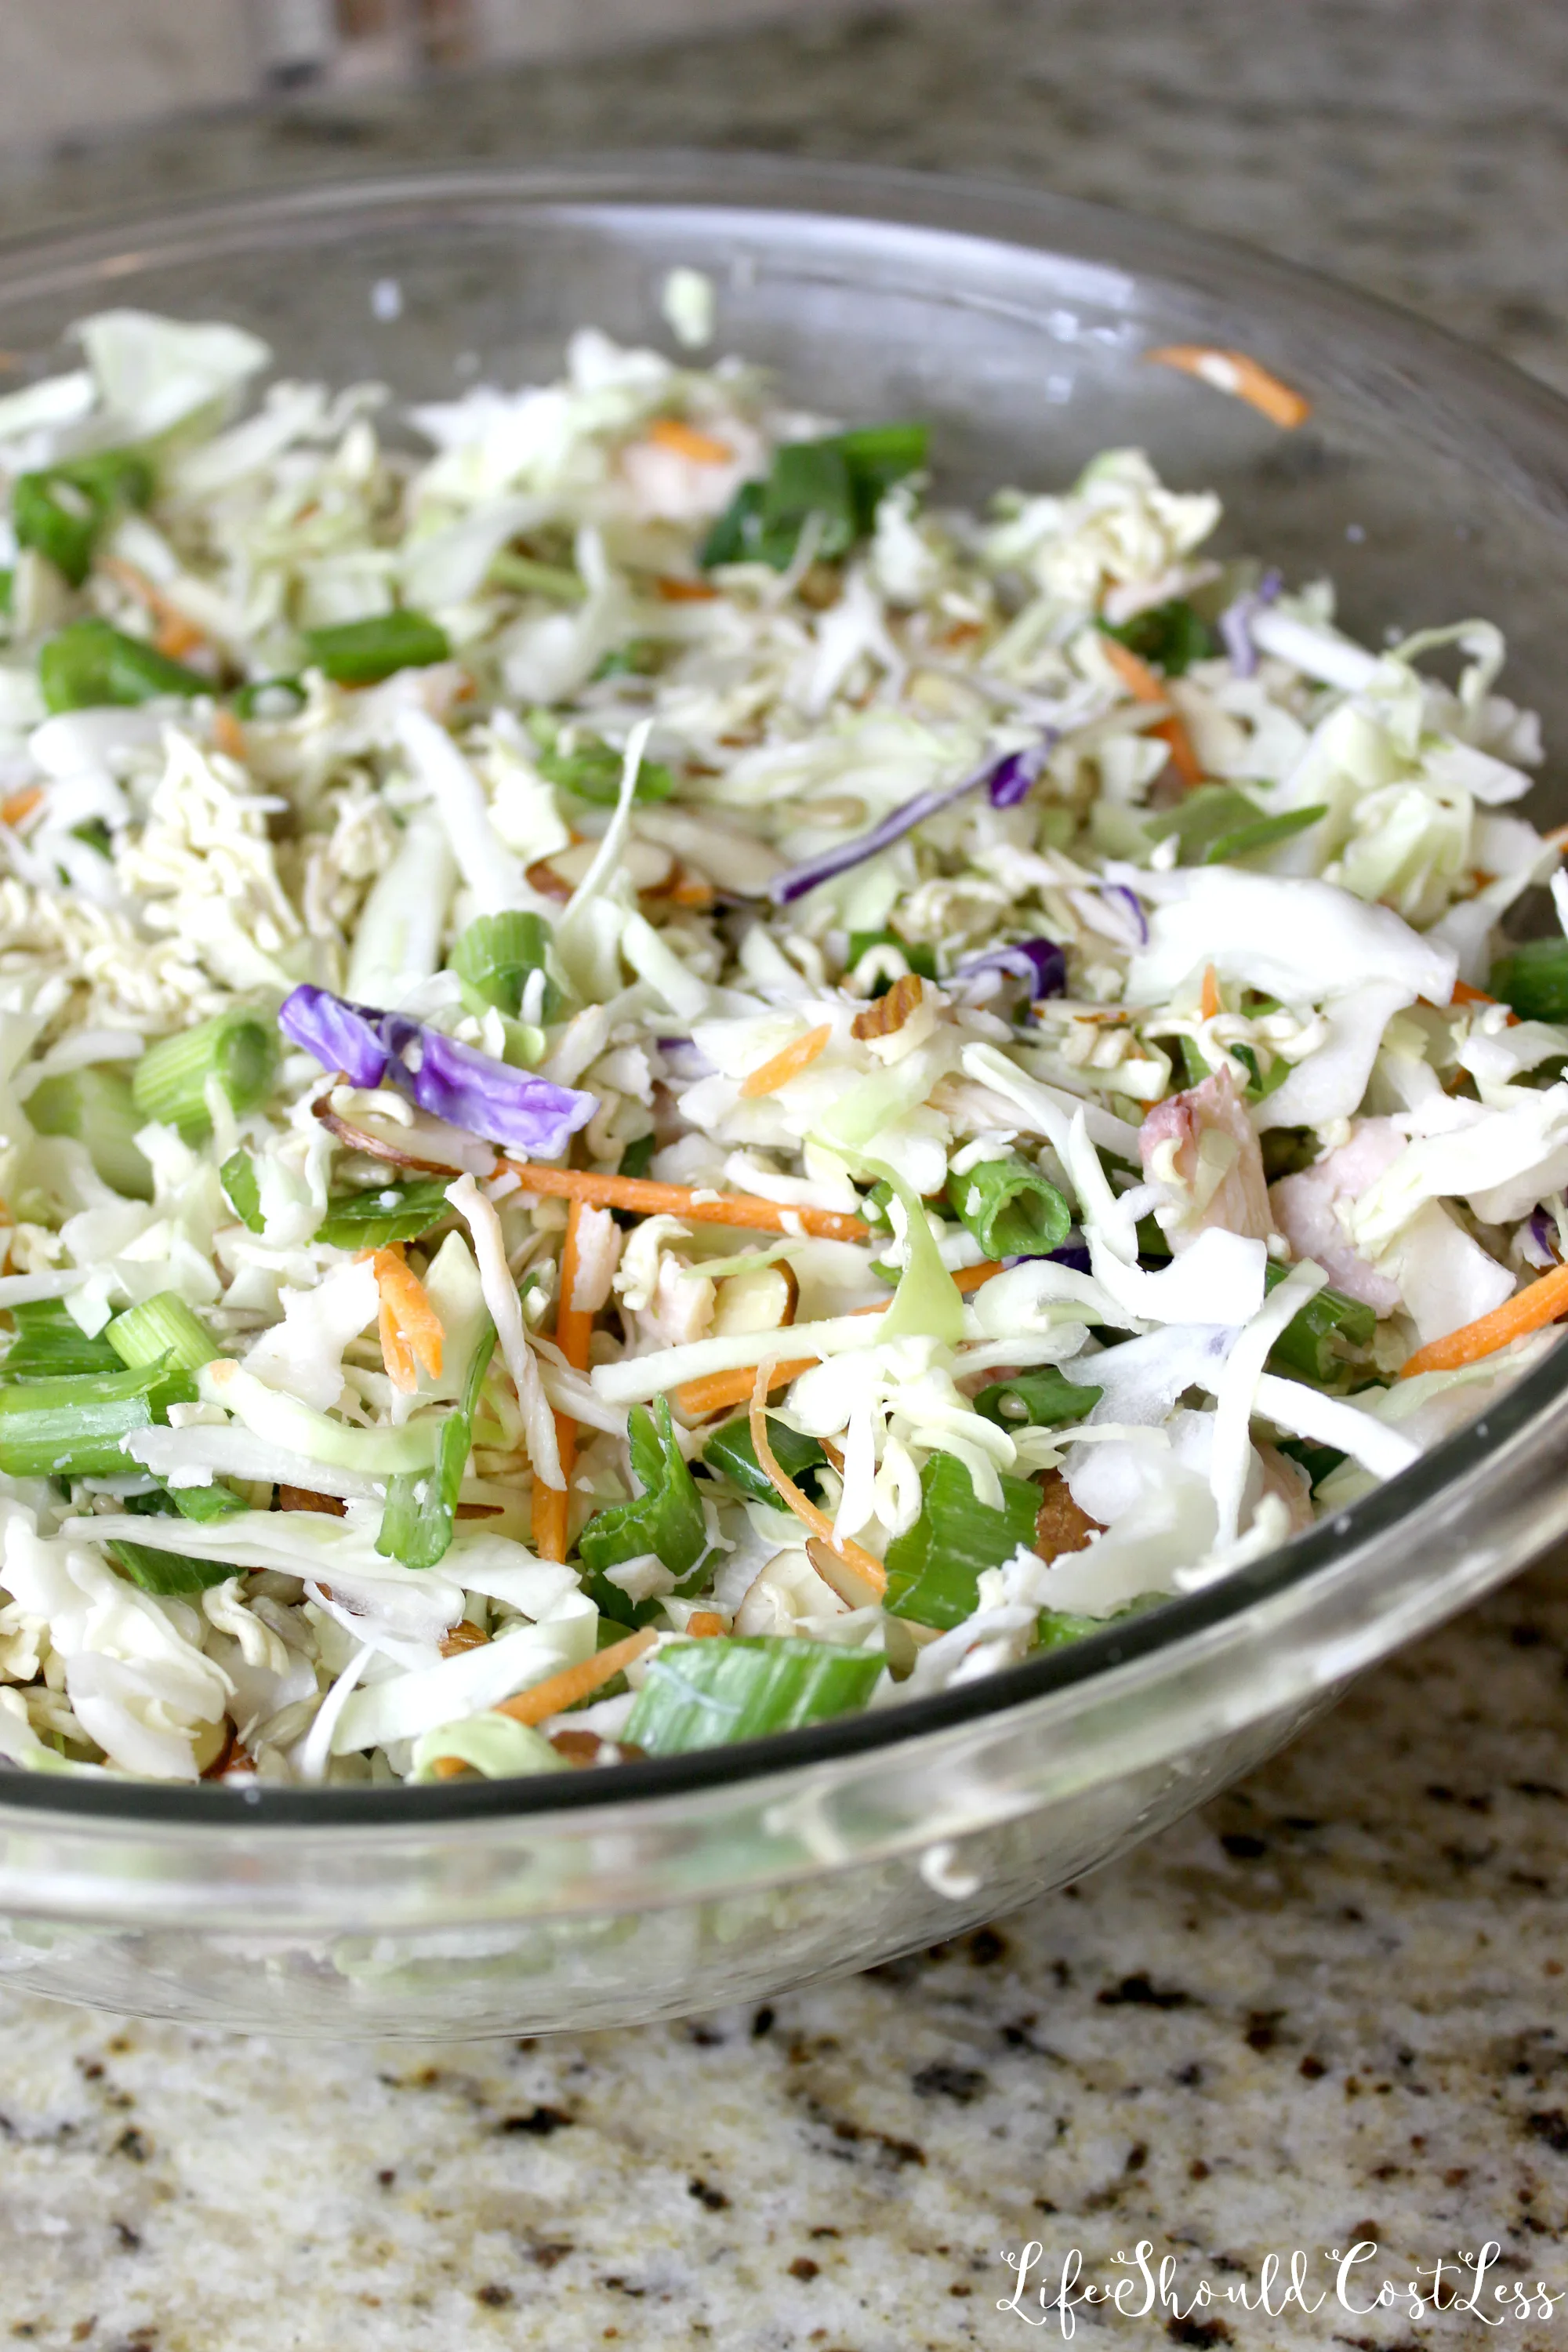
(960, 207)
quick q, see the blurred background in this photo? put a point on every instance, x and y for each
(1418, 148)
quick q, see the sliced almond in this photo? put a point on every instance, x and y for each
(765, 1299)
(648, 865)
(888, 1014)
(431, 1144)
(305, 1498)
(856, 1591)
(1059, 1525)
(463, 1636)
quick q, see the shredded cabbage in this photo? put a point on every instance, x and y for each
(638, 754)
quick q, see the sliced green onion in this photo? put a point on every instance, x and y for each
(168, 1572)
(96, 1106)
(88, 664)
(593, 772)
(490, 1743)
(202, 1505)
(730, 1452)
(1010, 1208)
(63, 510)
(50, 1344)
(666, 1517)
(1171, 636)
(239, 1178)
(714, 1692)
(1261, 1084)
(917, 956)
(295, 1427)
(840, 480)
(639, 658)
(385, 1214)
(421, 1511)
(1533, 980)
(249, 701)
(522, 572)
(495, 956)
(7, 588)
(1215, 825)
(1329, 1332)
(72, 1428)
(238, 1048)
(361, 653)
(1193, 1065)
(934, 1568)
(161, 1326)
(1057, 1627)
(1039, 1400)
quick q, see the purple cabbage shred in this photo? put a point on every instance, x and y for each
(1008, 780)
(1129, 904)
(1038, 962)
(454, 1082)
(1236, 624)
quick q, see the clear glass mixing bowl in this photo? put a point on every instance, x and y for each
(1434, 484)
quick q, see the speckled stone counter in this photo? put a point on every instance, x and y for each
(1327, 2011)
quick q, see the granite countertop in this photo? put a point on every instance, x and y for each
(1328, 2007)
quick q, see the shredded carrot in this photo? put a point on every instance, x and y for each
(1557, 838)
(684, 592)
(177, 636)
(1540, 1303)
(1210, 1005)
(572, 1327)
(228, 735)
(717, 1391)
(691, 891)
(1146, 686)
(705, 1624)
(573, 1683)
(649, 1200)
(855, 1556)
(410, 1326)
(1242, 377)
(780, 1069)
(674, 432)
(177, 632)
(16, 806)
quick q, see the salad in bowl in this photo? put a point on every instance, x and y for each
(652, 1090)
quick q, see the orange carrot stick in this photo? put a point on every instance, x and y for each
(649, 1200)
(177, 634)
(1144, 686)
(18, 806)
(1242, 377)
(573, 1683)
(410, 1326)
(228, 735)
(702, 448)
(716, 1390)
(572, 1327)
(684, 592)
(1540, 1303)
(1210, 1005)
(780, 1068)
(855, 1557)
(705, 1624)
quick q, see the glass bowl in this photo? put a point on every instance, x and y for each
(1433, 483)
